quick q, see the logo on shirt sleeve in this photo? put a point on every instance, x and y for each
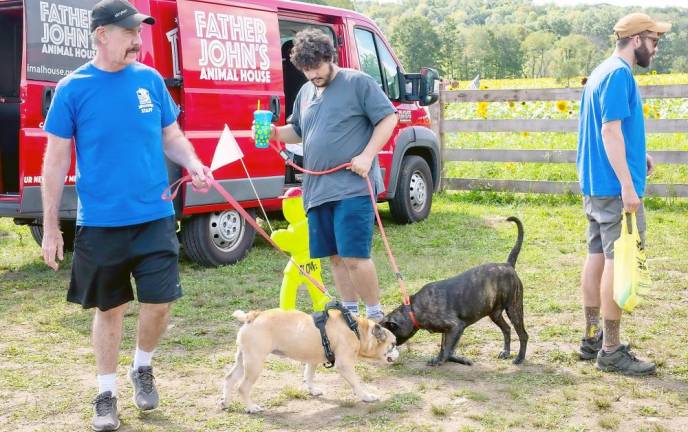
(145, 102)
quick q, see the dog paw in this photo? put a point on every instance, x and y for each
(314, 391)
(504, 355)
(252, 409)
(370, 397)
(435, 362)
(223, 403)
(518, 360)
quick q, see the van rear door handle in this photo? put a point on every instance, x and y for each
(275, 107)
(47, 99)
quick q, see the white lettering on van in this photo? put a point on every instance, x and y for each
(65, 30)
(232, 47)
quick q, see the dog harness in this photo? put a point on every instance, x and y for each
(320, 320)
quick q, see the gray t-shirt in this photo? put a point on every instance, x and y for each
(335, 127)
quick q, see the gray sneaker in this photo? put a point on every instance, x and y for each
(105, 413)
(145, 393)
(624, 362)
(589, 347)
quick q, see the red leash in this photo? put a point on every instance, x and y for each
(373, 198)
(171, 192)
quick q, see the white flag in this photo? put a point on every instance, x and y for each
(227, 150)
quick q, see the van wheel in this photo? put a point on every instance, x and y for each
(68, 229)
(217, 238)
(413, 198)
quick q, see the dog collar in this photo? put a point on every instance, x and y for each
(412, 316)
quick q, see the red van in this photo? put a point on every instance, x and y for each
(219, 58)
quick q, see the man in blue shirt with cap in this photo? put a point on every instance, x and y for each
(612, 166)
(123, 122)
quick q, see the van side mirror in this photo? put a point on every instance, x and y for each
(423, 87)
(429, 86)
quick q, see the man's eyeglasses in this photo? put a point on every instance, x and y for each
(655, 40)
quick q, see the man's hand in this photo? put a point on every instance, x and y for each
(361, 164)
(200, 175)
(52, 245)
(650, 165)
(273, 131)
(630, 199)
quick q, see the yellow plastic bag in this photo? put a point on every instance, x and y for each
(631, 276)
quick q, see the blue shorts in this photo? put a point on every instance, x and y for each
(343, 228)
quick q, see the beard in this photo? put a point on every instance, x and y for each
(643, 56)
(324, 81)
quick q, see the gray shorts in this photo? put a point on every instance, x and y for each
(604, 223)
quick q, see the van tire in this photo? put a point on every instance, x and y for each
(413, 196)
(68, 229)
(217, 238)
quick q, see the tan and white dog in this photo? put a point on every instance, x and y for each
(293, 334)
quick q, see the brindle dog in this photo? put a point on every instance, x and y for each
(449, 306)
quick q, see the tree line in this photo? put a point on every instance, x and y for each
(512, 38)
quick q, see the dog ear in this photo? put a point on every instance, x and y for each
(379, 333)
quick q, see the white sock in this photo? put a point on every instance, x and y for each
(142, 358)
(351, 306)
(374, 311)
(107, 382)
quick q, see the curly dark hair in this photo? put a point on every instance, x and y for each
(312, 48)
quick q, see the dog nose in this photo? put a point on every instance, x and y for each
(393, 355)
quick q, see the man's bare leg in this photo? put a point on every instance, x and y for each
(590, 288)
(106, 336)
(342, 281)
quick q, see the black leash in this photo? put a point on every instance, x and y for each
(320, 320)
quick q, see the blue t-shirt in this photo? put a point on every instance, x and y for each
(116, 119)
(611, 93)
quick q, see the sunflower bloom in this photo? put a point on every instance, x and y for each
(482, 109)
(562, 106)
(646, 110)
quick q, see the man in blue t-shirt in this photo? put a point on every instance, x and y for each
(123, 122)
(612, 167)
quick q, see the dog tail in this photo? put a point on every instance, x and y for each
(244, 317)
(513, 255)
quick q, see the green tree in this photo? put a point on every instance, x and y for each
(415, 42)
(452, 53)
(537, 53)
(575, 56)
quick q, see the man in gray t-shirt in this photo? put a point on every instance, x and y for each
(340, 115)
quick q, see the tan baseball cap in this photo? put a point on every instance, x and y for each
(636, 23)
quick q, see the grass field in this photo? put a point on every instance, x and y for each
(47, 369)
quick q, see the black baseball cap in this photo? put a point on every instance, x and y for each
(118, 12)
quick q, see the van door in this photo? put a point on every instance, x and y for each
(290, 24)
(57, 40)
(231, 62)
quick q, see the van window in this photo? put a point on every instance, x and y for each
(389, 68)
(367, 55)
(58, 38)
(294, 78)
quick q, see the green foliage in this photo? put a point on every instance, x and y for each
(514, 38)
(416, 42)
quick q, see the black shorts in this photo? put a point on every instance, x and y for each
(106, 258)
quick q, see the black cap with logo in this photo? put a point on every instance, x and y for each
(118, 12)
